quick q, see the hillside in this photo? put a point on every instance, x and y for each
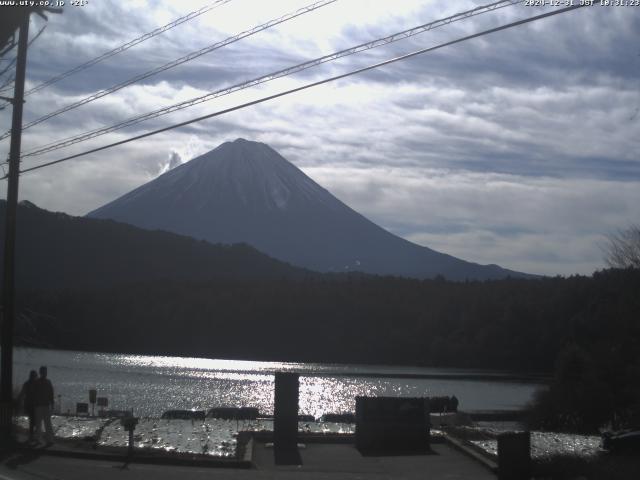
(55, 250)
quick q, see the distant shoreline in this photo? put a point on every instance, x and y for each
(465, 374)
(506, 377)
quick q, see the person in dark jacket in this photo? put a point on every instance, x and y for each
(43, 400)
(27, 398)
(453, 404)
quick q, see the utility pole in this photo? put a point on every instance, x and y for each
(8, 285)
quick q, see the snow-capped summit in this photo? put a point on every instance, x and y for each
(254, 175)
(245, 191)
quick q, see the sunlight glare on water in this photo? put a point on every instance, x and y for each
(202, 364)
(151, 385)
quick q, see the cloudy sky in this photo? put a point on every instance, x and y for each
(518, 148)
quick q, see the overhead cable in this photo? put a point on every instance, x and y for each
(306, 86)
(265, 78)
(10, 63)
(175, 63)
(4, 83)
(185, 18)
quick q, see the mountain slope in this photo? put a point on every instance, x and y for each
(55, 250)
(245, 191)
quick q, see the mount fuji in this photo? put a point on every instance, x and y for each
(245, 192)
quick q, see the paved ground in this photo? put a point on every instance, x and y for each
(320, 461)
(344, 461)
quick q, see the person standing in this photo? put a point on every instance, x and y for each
(27, 397)
(43, 400)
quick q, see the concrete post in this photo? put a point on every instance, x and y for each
(285, 422)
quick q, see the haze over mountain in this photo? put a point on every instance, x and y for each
(245, 191)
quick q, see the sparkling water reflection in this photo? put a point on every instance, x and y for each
(549, 444)
(211, 437)
(151, 385)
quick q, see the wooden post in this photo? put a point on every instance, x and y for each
(514, 456)
(8, 285)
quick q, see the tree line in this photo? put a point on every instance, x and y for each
(507, 324)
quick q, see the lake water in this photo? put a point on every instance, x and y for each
(150, 385)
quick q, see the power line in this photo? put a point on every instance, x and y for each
(266, 78)
(10, 44)
(309, 85)
(190, 16)
(179, 61)
(10, 63)
(10, 78)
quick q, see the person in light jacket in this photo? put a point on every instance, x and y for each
(43, 402)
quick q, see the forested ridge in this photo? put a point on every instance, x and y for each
(508, 324)
(56, 250)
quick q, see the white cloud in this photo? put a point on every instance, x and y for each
(530, 224)
(518, 149)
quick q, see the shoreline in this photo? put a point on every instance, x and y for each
(456, 373)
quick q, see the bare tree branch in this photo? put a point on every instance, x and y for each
(623, 248)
